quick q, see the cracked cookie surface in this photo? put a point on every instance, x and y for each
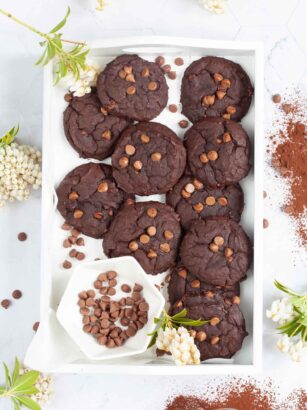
(223, 336)
(215, 87)
(89, 131)
(132, 87)
(149, 231)
(182, 282)
(218, 151)
(148, 159)
(217, 251)
(192, 200)
(88, 198)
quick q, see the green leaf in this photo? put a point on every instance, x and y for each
(153, 341)
(61, 23)
(182, 313)
(191, 322)
(303, 321)
(2, 389)
(42, 58)
(8, 380)
(300, 302)
(285, 289)
(16, 403)
(26, 381)
(16, 371)
(28, 391)
(29, 403)
(289, 324)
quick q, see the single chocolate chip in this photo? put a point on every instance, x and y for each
(183, 124)
(5, 303)
(265, 223)
(179, 61)
(160, 60)
(80, 256)
(80, 242)
(276, 98)
(111, 274)
(133, 246)
(67, 264)
(167, 68)
(35, 326)
(17, 294)
(68, 97)
(173, 108)
(126, 288)
(65, 227)
(172, 75)
(22, 236)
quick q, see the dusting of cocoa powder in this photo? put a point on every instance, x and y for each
(289, 157)
(240, 394)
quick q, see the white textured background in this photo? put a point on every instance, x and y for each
(281, 25)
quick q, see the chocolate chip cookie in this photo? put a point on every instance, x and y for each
(90, 130)
(192, 200)
(217, 251)
(218, 151)
(149, 231)
(148, 159)
(182, 282)
(215, 87)
(132, 87)
(223, 336)
(88, 198)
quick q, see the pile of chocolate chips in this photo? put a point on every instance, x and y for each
(111, 322)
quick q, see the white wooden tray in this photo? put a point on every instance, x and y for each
(52, 349)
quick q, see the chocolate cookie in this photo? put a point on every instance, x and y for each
(218, 151)
(223, 336)
(182, 282)
(215, 87)
(148, 159)
(217, 251)
(132, 87)
(192, 200)
(90, 131)
(88, 198)
(149, 231)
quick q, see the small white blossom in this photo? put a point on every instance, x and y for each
(44, 385)
(281, 311)
(20, 168)
(298, 351)
(88, 76)
(214, 6)
(180, 344)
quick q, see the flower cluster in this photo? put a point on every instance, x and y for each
(281, 311)
(100, 5)
(180, 344)
(19, 168)
(297, 350)
(44, 385)
(214, 6)
(82, 85)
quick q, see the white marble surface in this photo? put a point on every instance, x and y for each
(280, 24)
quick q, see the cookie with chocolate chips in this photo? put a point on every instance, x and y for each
(223, 335)
(217, 251)
(182, 282)
(132, 87)
(218, 151)
(90, 130)
(215, 87)
(149, 231)
(88, 198)
(192, 200)
(148, 159)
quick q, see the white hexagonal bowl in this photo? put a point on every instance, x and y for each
(130, 272)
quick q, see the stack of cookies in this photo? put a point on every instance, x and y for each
(196, 233)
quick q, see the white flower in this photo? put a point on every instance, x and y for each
(284, 344)
(281, 311)
(180, 344)
(88, 76)
(214, 6)
(19, 169)
(298, 351)
(44, 385)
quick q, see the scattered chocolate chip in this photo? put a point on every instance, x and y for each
(179, 61)
(66, 243)
(65, 227)
(183, 124)
(126, 288)
(172, 75)
(160, 60)
(17, 294)
(287, 108)
(35, 326)
(68, 97)
(264, 194)
(22, 236)
(167, 68)
(5, 303)
(80, 242)
(80, 256)
(276, 98)
(173, 108)
(265, 223)
(67, 264)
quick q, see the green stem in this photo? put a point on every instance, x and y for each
(33, 29)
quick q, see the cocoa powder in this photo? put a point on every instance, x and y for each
(240, 394)
(289, 157)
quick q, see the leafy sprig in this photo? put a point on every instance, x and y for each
(19, 387)
(9, 137)
(298, 325)
(68, 60)
(179, 319)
